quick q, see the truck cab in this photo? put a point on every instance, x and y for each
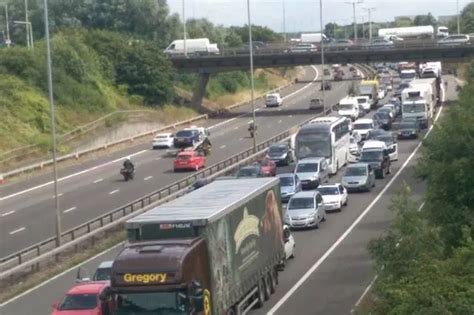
(416, 103)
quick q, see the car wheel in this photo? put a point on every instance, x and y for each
(260, 294)
(324, 217)
(340, 206)
(268, 291)
(316, 226)
(293, 252)
(273, 281)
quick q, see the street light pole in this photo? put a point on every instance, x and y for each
(322, 54)
(369, 10)
(284, 21)
(458, 17)
(28, 43)
(184, 31)
(53, 124)
(363, 27)
(252, 82)
(354, 2)
(7, 24)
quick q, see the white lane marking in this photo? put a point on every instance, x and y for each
(8, 213)
(59, 195)
(13, 299)
(285, 97)
(18, 230)
(148, 178)
(364, 294)
(280, 121)
(222, 146)
(71, 176)
(240, 139)
(236, 128)
(70, 209)
(291, 116)
(319, 262)
(421, 206)
(114, 191)
(98, 180)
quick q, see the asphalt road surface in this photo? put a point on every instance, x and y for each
(332, 267)
(27, 208)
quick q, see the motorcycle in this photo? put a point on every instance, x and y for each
(127, 174)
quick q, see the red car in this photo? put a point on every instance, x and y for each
(83, 299)
(189, 160)
(268, 167)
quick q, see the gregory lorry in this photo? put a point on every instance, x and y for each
(216, 250)
(418, 102)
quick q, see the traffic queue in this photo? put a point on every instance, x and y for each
(295, 182)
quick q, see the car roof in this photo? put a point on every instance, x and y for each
(106, 264)
(164, 134)
(88, 288)
(357, 165)
(279, 145)
(373, 144)
(388, 105)
(292, 175)
(364, 97)
(311, 160)
(305, 194)
(329, 185)
(364, 121)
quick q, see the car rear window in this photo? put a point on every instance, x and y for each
(184, 133)
(78, 302)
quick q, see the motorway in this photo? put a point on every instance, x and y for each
(332, 267)
(27, 209)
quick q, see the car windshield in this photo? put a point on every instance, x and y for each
(301, 203)
(152, 303)
(362, 100)
(277, 150)
(102, 274)
(369, 156)
(328, 191)
(362, 126)
(78, 302)
(384, 110)
(184, 133)
(381, 116)
(247, 172)
(346, 106)
(385, 138)
(413, 108)
(313, 145)
(409, 124)
(407, 75)
(306, 167)
(287, 181)
(356, 171)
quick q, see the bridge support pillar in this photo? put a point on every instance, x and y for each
(200, 89)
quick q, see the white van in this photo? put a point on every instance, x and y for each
(348, 107)
(377, 144)
(363, 126)
(196, 46)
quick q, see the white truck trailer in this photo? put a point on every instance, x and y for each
(418, 102)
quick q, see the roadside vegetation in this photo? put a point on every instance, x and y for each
(425, 263)
(107, 56)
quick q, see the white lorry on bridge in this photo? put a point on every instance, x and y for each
(314, 38)
(418, 102)
(426, 31)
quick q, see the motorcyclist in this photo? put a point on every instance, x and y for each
(205, 146)
(128, 165)
(252, 129)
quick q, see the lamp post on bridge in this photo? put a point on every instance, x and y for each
(323, 88)
(252, 81)
(353, 3)
(184, 31)
(369, 11)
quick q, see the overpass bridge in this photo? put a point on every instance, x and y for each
(232, 60)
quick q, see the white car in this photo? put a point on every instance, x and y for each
(364, 101)
(334, 196)
(289, 242)
(163, 140)
(363, 126)
(381, 93)
(273, 99)
(354, 150)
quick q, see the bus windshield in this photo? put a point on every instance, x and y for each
(313, 145)
(413, 108)
(160, 303)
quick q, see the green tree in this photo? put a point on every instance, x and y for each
(424, 20)
(467, 19)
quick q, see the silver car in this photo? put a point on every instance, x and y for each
(305, 210)
(358, 177)
(312, 172)
(455, 40)
(290, 184)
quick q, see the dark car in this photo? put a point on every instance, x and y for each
(378, 159)
(374, 133)
(401, 87)
(386, 110)
(383, 119)
(327, 85)
(280, 153)
(186, 138)
(254, 170)
(361, 111)
(409, 128)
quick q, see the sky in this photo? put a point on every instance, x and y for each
(303, 15)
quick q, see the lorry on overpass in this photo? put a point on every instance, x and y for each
(313, 38)
(424, 31)
(370, 88)
(418, 102)
(216, 250)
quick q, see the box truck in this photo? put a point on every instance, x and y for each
(216, 250)
(434, 85)
(370, 88)
(196, 46)
(418, 102)
(314, 38)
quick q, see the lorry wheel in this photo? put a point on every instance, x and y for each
(268, 291)
(273, 281)
(260, 294)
